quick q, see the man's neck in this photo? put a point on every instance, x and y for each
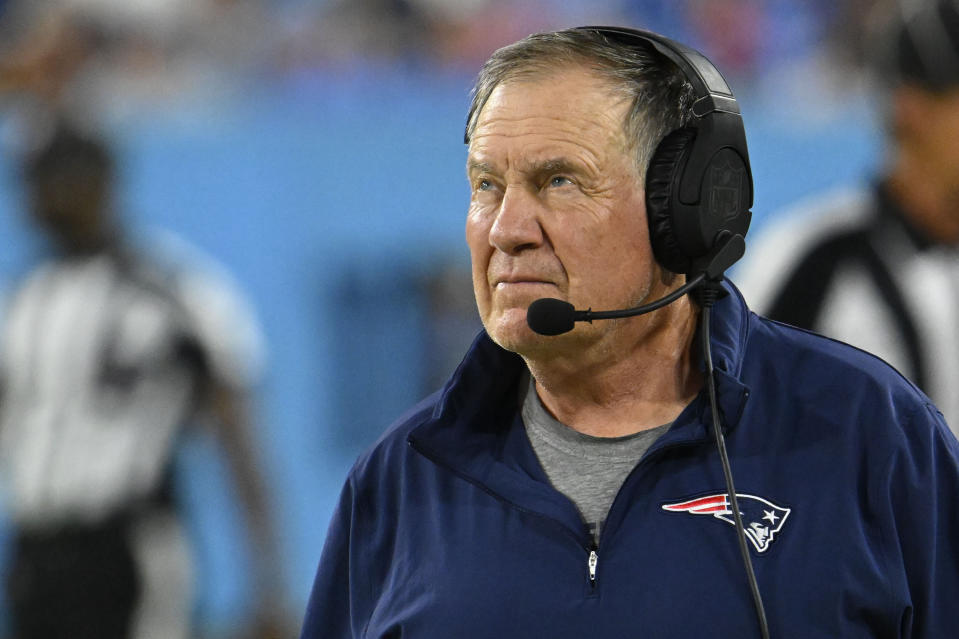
(930, 209)
(87, 242)
(641, 375)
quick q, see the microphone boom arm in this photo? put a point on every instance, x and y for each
(550, 316)
(589, 314)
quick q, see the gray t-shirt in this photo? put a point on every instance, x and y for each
(589, 470)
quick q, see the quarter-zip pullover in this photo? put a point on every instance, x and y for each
(846, 475)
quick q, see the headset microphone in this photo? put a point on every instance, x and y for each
(550, 316)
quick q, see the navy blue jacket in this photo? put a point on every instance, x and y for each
(847, 476)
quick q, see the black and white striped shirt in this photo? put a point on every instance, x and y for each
(102, 360)
(851, 267)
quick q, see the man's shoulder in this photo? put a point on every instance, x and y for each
(213, 305)
(390, 450)
(779, 247)
(457, 427)
(820, 215)
(811, 363)
(175, 259)
(828, 388)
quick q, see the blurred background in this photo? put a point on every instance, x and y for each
(314, 149)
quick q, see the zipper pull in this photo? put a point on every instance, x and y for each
(593, 560)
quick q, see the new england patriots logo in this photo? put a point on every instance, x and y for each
(762, 519)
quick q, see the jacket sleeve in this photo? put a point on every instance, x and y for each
(337, 608)
(923, 496)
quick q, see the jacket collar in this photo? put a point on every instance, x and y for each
(475, 428)
(729, 326)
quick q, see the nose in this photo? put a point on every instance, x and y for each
(517, 225)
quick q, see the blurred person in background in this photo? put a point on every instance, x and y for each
(878, 266)
(107, 351)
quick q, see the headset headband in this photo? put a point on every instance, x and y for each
(709, 86)
(712, 92)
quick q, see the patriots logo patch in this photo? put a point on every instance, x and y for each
(762, 519)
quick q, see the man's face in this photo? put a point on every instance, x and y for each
(556, 207)
(939, 118)
(69, 204)
(926, 127)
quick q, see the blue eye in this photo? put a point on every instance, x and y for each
(559, 180)
(484, 185)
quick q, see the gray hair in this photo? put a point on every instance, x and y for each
(661, 96)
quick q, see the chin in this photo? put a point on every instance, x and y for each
(517, 337)
(511, 331)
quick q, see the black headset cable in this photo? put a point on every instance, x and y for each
(709, 293)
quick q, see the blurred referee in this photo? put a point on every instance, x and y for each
(106, 352)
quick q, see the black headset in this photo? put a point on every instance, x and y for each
(699, 187)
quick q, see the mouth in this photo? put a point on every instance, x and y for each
(519, 283)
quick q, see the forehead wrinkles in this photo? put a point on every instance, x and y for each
(547, 114)
(487, 150)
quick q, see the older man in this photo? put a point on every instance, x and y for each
(575, 482)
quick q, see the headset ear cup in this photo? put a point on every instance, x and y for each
(661, 176)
